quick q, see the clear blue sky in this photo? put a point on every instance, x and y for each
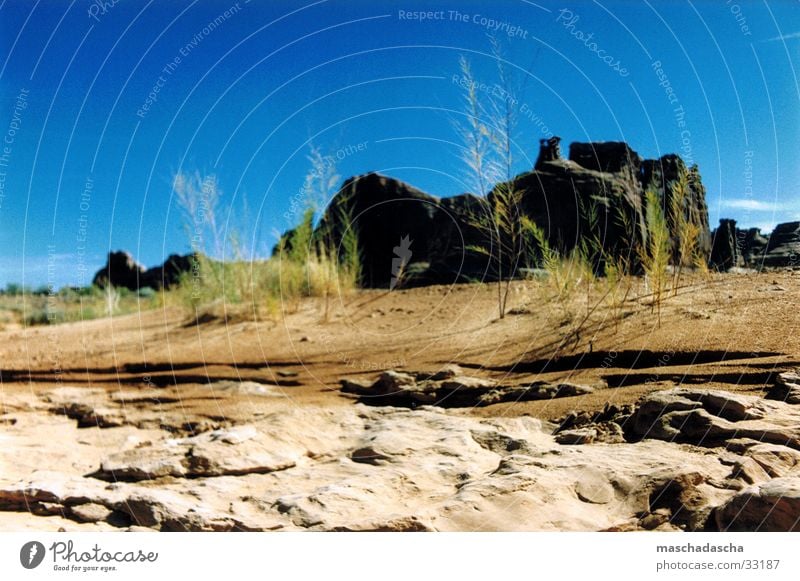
(250, 93)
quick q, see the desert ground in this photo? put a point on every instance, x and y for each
(232, 421)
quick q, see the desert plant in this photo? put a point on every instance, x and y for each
(112, 296)
(488, 135)
(655, 254)
(313, 263)
(684, 225)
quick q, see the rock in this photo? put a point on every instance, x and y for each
(772, 506)
(572, 389)
(393, 388)
(753, 245)
(655, 519)
(605, 432)
(710, 417)
(167, 511)
(383, 212)
(749, 471)
(549, 150)
(614, 157)
(89, 407)
(687, 497)
(776, 461)
(725, 249)
(786, 388)
(577, 436)
(368, 455)
(661, 174)
(246, 388)
(453, 254)
(169, 274)
(366, 468)
(391, 382)
(594, 489)
(89, 512)
(91, 417)
(121, 270)
(233, 451)
(357, 386)
(465, 383)
(783, 248)
(448, 371)
(556, 193)
(51, 490)
(401, 229)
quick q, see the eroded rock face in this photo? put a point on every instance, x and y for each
(725, 250)
(783, 248)
(752, 249)
(772, 506)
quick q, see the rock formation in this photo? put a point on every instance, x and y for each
(606, 180)
(123, 271)
(783, 247)
(749, 248)
(382, 211)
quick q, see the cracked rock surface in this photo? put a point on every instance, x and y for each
(681, 459)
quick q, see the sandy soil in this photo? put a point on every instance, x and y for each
(733, 331)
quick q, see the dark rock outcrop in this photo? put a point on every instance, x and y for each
(724, 249)
(452, 252)
(752, 249)
(123, 271)
(384, 212)
(783, 248)
(599, 177)
(665, 171)
(598, 192)
(752, 246)
(549, 150)
(607, 157)
(169, 274)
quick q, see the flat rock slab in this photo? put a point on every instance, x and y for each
(366, 468)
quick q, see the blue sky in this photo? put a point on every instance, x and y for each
(243, 89)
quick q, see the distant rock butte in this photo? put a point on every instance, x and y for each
(122, 270)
